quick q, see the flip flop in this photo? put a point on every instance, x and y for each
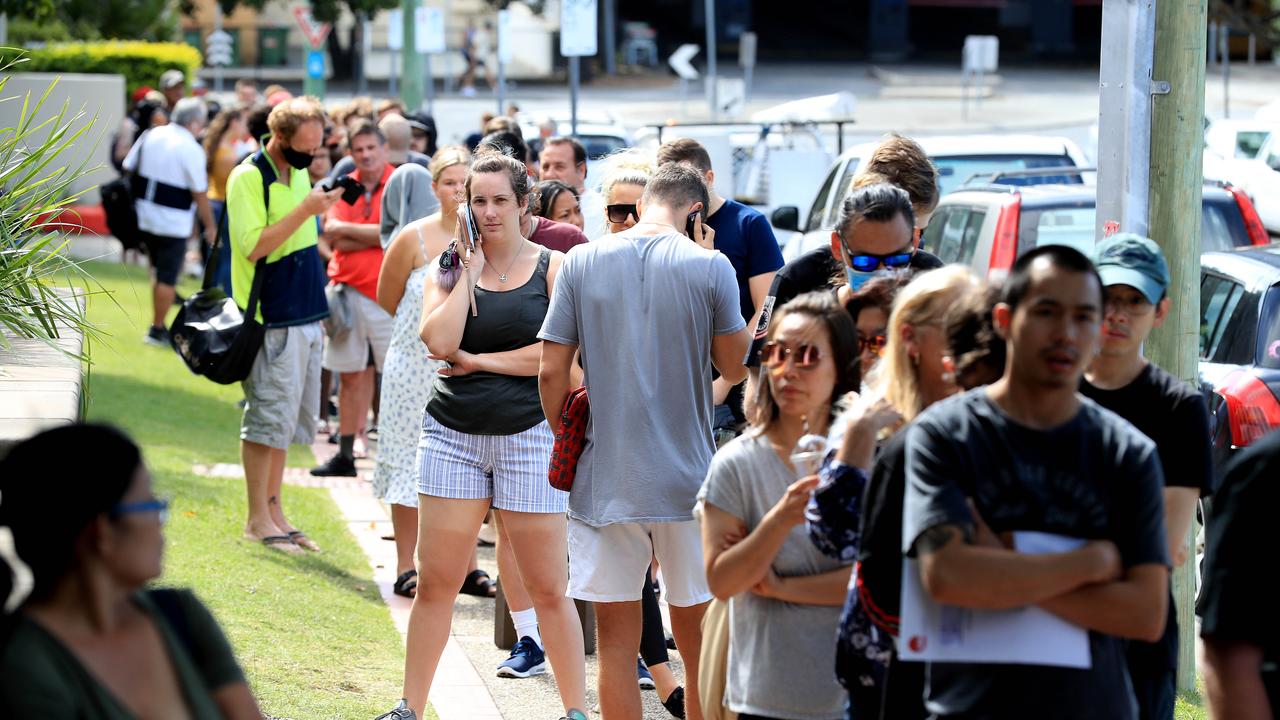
(283, 543)
(479, 584)
(407, 584)
(299, 538)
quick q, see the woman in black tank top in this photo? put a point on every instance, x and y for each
(485, 442)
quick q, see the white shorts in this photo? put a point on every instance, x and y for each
(608, 564)
(370, 331)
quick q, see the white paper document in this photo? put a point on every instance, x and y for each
(933, 632)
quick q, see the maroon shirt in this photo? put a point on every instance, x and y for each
(556, 235)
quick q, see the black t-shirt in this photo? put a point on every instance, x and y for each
(1174, 416)
(811, 271)
(1094, 477)
(1237, 603)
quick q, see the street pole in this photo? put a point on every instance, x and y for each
(610, 38)
(410, 60)
(362, 36)
(711, 56)
(573, 95)
(1175, 197)
(1224, 49)
(217, 28)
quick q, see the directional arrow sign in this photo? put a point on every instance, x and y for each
(679, 61)
(217, 48)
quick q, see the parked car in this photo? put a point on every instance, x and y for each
(1240, 345)
(956, 157)
(1260, 178)
(988, 226)
(600, 133)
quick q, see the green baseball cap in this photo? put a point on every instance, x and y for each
(1130, 259)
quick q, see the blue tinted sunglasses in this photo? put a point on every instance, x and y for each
(158, 506)
(870, 263)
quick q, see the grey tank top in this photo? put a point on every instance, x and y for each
(486, 403)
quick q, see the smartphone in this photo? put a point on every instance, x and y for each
(695, 218)
(351, 188)
(470, 231)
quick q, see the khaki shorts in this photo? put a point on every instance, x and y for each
(282, 392)
(370, 331)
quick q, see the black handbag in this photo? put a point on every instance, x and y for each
(210, 333)
(117, 204)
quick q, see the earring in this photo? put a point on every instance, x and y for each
(915, 359)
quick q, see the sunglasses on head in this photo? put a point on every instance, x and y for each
(874, 344)
(618, 213)
(804, 356)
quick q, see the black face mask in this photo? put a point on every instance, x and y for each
(296, 158)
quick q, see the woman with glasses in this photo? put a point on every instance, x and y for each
(623, 184)
(559, 202)
(869, 307)
(90, 641)
(784, 595)
(859, 488)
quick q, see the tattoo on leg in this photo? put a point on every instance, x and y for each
(272, 500)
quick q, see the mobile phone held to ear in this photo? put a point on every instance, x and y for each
(470, 231)
(695, 218)
(351, 188)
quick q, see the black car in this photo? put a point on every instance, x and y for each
(1240, 345)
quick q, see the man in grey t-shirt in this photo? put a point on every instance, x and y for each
(651, 312)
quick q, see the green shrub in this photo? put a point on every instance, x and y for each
(141, 63)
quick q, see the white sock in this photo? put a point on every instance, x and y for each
(526, 622)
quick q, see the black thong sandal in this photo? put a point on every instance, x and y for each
(407, 584)
(299, 538)
(283, 543)
(479, 584)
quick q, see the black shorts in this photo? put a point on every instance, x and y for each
(166, 255)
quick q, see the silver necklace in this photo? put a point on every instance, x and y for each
(502, 277)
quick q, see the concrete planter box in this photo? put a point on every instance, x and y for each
(40, 386)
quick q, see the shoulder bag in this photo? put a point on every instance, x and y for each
(210, 333)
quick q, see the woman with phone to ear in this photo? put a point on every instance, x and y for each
(484, 441)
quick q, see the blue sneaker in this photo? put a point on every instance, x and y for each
(526, 659)
(645, 677)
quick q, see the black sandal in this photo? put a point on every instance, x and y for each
(479, 584)
(407, 584)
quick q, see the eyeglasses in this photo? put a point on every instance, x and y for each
(874, 344)
(805, 357)
(1131, 306)
(867, 262)
(618, 213)
(156, 505)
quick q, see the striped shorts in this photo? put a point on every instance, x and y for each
(510, 469)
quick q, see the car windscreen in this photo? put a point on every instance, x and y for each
(1221, 226)
(954, 170)
(598, 146)
(1269, 330)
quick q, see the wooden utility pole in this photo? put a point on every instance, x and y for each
(1174, 217)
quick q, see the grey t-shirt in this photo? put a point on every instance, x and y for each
(643, 311)
(1094, 477)
(774, 646)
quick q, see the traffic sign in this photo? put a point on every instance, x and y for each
(315, 64)
(578, 28)
(217, 49)
(314, 30)
(679, 61)
(395, 29)
(429, 35)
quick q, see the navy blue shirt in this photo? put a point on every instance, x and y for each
(746, 238)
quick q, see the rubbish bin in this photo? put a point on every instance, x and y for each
(504, 632)
(273, 47)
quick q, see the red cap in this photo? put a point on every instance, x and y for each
(140, 93)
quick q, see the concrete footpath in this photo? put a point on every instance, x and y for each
(466, 686)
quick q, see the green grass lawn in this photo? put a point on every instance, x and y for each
(311, 631)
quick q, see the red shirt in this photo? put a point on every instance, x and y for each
(556, 235)
(359, 269)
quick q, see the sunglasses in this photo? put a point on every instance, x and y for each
(875, 344)
(866, 263)
(618, 213)
(157, 505)
(805, 356)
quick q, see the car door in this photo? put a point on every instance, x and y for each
(953, 233)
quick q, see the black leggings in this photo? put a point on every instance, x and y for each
(653, 638)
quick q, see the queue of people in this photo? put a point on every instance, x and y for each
(794, 457)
